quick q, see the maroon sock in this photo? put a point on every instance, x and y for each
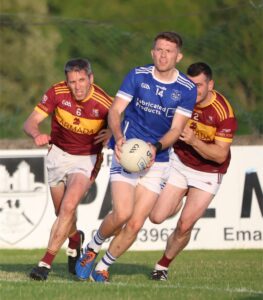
(48, 257)
(164, 261)
(74, 240)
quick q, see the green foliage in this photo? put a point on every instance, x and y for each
(198, 275)
(26, 63)
(38, 37)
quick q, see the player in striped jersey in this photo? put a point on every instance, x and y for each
(79, 110)
(157, 100)
(200, 159)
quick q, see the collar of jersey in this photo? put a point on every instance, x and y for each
(165, 82)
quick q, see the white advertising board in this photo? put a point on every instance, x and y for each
(233, 220)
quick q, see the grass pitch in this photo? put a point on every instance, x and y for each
(228, 274)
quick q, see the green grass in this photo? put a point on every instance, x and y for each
(230, 274)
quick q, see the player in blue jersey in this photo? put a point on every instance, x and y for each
(157, 100)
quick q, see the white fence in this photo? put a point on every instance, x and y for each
(233, 220)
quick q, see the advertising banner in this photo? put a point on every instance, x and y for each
(234, 218)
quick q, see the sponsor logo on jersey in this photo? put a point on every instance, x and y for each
(44, 99)
(145, 86)
(176, 95)
(226, 130)
(210, 120)
(66, 103)
(76, 121)
(95, 112)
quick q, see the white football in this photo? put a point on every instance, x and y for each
(135, 156)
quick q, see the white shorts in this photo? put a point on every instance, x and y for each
(184, 177)
(153, 179)
(60, 163)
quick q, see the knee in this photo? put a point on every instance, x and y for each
(134, 226)
(156, 218)
(183, 227)
(69, 209)
(120, 218)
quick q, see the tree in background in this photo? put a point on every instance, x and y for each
(28, 53)
(115, 35)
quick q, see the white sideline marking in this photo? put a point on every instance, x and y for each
(157, 285)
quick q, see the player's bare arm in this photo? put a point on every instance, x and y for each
(217, 152)
(114, 117)
(178, 124)
(31, 128)
(114, 120)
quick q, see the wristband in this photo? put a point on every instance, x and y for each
(158, 147)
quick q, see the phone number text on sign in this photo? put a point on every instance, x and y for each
(161, 234)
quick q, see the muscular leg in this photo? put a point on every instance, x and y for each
(57, 193)
(168, 203)
(145, 200)
(196, 203)
(77, 185)
(122, 209)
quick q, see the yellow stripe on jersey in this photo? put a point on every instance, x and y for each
(224, 139)
(218, 111)
(61, 90)
(61, 87)
(230, 109)
(102, 100)
(222, 109)
(41, 111)
(77, 124)
(107, 100)
(60, 82)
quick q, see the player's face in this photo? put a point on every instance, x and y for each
(79, 83)
(204, 87)
(165, 55)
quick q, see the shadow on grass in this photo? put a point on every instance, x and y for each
(60, 271)
(130, 269)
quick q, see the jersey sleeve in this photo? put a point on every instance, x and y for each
(226, 129)
(188, 102)
(48, 102)
(127, 88)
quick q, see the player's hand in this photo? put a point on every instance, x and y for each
(42, 139)
(153, 152)
(118, 148)
(188, 136)
(103, 137)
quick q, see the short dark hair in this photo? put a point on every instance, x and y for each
(78, 64)
(170, 36)
(199, 68)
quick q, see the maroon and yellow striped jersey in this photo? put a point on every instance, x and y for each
(215, 121)
(74, 123)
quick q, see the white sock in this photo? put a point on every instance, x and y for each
(43, 264)
(71, 252)
(106, 261)
(96, 242)
(160, 268)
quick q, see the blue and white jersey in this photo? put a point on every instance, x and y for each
(153, 103)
